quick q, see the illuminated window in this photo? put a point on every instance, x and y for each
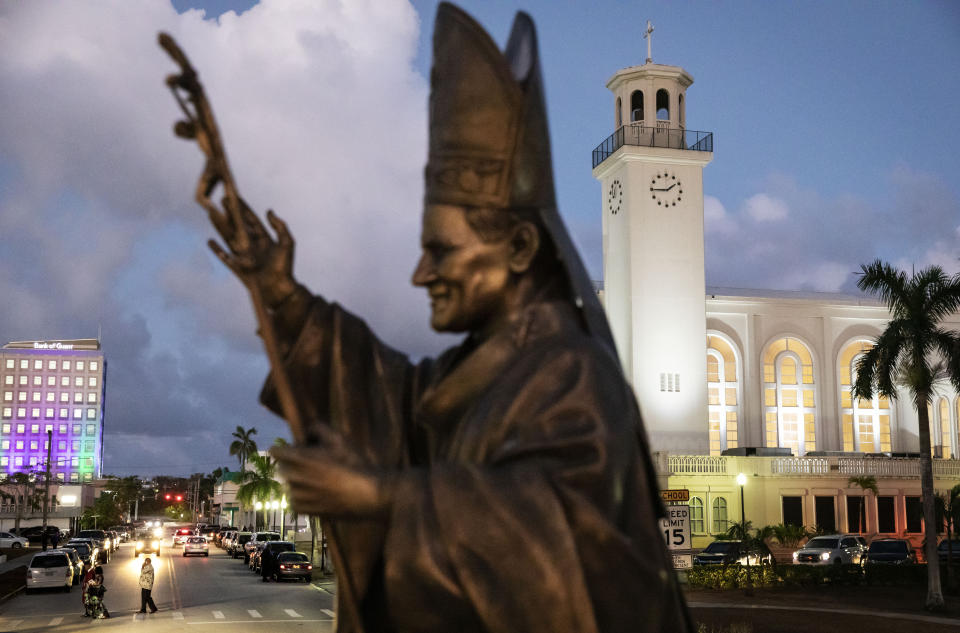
(943, 425)
(75, 446)
(34, 428)
(65, 381)
(789, 396)
(21, 428)
(64, 413)
(77, 414)
(78, 381)
(74, 477)
(62, 445)
(10, 363)
(92, 397)
(37, 381)
(48, 412)
(4, 461)
(8, 396)
(8, 379)
(34, 445)
(94, 365)
(87, 476)
(22, 380)
(19, 445)
(7, 413)
(88, 448)
(35, 412)
(865, 424)
(33, 461)
(91, 414)
(59, 476)
(92, 381)
(5, 444)
(78, 397)
(719, 515)
(77, 429)
(36, 396)
(18, 460)
(22, 396)
(52, 364)
(6, 427)
(722, 394)
(51, 397)
(38, 364)
(64, 396)
(24, 363)
(91, 429)
(66, 364)
(21, 412)
(51, 381)
(696, 515)
(79, 365)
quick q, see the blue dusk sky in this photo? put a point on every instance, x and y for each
(836, 142)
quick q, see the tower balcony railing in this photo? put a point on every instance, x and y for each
(641, 134)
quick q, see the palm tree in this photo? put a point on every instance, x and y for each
(865, 483)
(259, 484)
(244, 446)
(906, 353)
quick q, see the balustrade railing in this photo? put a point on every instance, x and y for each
(880, 467)
(658, 135)
(697, 465)
(799, 466)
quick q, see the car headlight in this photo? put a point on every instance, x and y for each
(825, 556)
(155, 545)
(795, 555)
(139, 544)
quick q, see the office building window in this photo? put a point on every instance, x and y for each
(6, 427)
(51, 397)
(59, 476)
(5, 444)
(79, 365)
(77, 414)
(87, 476)
(38, 364)
(78, 381)
(92, 381)
(64, 412)
(37, 381)
(64, 381)
(48, 412)
(18, 460)
(62, 445)
(4, 461)
(22, 396)
(52, 364)
(91, 414)
(62, 429)
(35, 396)
(21, 412)
(51, 381)
(91, 397)
(34, 428)
(8, 396)
(33, 461)
(21, 428)
(34, 445)
(64, 396)
(94, 365)
(91, 429)
(24, 363)
(47, 428)
(19, 445)
(7, 413)
(66, 364)
(74, 477)
(77, 428)
(35, 412)
(8, 379)
(78, 397)
(9, 363)
(88, 448)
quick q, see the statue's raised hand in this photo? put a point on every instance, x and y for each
(253, 254)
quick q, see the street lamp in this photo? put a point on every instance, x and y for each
(283, 515)
(742, 481)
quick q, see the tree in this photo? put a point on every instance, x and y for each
(21, 489)
(865, 483)
(906, 354)
(103, 513)
(259, 484)
(244, 446)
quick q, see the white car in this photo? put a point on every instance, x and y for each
(8, 540)
(196, 545)
(50, 569)
(833, 549)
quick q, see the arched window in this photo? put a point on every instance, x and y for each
(636, 106)
(663, 105)
(719, 516)
(682, 111)
(619, 113)
(944, 421)
(723, 400)
(696, 515)
(789, 396)
(865, 424)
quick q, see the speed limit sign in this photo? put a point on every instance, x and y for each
(676, 527)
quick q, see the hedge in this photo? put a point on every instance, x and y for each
(736, 576)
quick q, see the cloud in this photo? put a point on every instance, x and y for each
(324, 119)
(763, 208)
(716, 219)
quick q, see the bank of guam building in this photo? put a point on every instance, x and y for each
(55, 386)
(732, 381)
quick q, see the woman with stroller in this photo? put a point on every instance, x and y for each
(94, 592)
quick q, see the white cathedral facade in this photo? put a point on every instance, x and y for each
(734, 381)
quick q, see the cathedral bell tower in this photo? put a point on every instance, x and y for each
(651, 175)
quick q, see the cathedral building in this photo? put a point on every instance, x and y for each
(734, 381)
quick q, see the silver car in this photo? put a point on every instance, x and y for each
(196, 545)
(50, 569)
(833, 549)
(8, 540)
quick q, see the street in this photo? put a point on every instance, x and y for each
(193, 594)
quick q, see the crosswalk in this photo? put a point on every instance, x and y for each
(193, 616)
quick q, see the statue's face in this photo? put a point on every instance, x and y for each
(467, 279)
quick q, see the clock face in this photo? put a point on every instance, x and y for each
(615, 197)
(666, 189)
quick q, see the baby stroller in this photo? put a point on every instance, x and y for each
(94, 604)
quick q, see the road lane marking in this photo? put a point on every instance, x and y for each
(254, 613)
(329, 612)
(218, 615)
(292, 613)
(177, 615)
(13, 624)
(55, 622)
(234, 622)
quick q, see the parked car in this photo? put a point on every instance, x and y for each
(258, 537)
(122, 531)
(8, 540)
(209, 532)
(224, 530)
(85, 551)
(102, 542)
(50, 569)
(293, 565)
(75, 562)
(891, 551)
(34, 533)
(269, 550)
(224, 540)
(728, 553)
(182, 535)
(196, 545)
(238, 543)
(944, 550)
(832, 549)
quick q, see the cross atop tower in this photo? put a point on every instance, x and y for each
(648, 35)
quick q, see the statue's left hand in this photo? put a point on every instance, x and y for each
(331, 480)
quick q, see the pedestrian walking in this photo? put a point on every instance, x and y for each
(146, 586)
(55, 539)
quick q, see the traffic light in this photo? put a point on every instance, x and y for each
(179, 497)
(167, 497)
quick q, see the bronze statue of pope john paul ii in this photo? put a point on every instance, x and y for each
(505, 486)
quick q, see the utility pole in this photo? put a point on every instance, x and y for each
(46, 491)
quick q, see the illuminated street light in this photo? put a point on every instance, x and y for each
(742, 481)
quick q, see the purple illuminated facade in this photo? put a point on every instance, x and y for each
(55, 386)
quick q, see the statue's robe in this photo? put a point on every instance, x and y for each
(524, 498)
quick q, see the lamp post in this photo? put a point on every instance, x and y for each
(274, 505)
(283, 514)
(742, 481)
(256, 509)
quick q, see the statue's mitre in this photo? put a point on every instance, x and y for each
(489, 144)
(489, 140)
